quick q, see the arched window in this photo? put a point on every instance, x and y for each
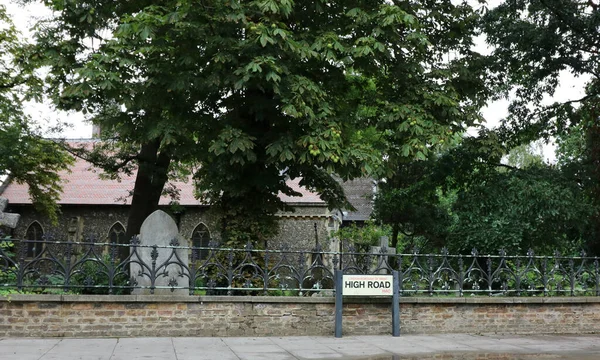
(116, 236)
(34, 234)
(201, 239)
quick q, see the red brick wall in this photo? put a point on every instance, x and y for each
(100, 316)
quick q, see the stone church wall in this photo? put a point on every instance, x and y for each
(78, 223)
(75, 222)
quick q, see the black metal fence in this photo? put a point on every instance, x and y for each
(100, 268)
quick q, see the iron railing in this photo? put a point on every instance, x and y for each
(91, 267)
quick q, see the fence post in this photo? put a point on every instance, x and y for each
(338, 303)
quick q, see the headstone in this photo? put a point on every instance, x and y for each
(7, 219)
(382, 253)
(157, 236)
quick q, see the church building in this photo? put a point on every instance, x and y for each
(98, 207)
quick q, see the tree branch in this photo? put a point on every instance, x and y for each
(102, 163)
(581, 31)
(12, 84)
(505, 166)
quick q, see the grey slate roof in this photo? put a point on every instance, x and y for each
(360, 194)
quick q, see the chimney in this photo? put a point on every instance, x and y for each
(96, 131)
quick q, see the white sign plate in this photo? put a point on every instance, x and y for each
(367, 285)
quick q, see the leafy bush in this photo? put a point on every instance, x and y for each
(363, 236)
(92, 278)
(8, 274)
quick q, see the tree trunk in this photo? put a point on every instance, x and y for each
(152, 175)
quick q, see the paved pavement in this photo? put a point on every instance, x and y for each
(454, 346)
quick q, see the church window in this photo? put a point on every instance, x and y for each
(116, 236)
(201, 239)
(34, 236)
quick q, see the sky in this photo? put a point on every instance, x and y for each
(45, 114)
(24, 18)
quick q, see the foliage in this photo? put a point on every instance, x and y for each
(516, 202)
(366, 235)
(538, 208)
(24, 156)
(92, 278)
(411, 204)
(535, 42)
(7, 275)
(526, 156)
(257, 92)
(474, 196)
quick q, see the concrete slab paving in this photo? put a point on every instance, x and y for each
(243, 341)
(257, 348)
(332, 340)
(202, 349)
(25, 349)
(453, 346)
(440, 344)
(297, 342)
(314, 354)
(266, 349)
(267, 356)
(305, 348)
(361, 352)
(539, 344)
(75, 349)
(143, 349)
(480, 343)
(406, 346)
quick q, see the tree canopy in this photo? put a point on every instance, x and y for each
(252, 93)
(244, 95)
(535, 41)
(24, 156)
(499, 194)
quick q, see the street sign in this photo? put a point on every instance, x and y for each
(367, 285)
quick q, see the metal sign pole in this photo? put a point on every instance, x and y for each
(367, 285)
(396, 305)
(338, 303)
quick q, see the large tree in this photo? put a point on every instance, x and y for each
(519, 206)
(481, 194)
(256, 92)
(535, 41)
(25, 157)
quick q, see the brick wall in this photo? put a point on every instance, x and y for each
(129, 315)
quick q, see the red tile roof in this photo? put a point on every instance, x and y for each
(83, 186)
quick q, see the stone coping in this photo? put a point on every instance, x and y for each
(292, 299)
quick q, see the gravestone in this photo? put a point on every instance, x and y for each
(158, 235)
(381, 253)
(7, 219)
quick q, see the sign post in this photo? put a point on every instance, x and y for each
(366, 285)
(339, 303)
(396, 305)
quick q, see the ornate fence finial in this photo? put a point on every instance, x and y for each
(174, 241)
(530, 253)
(135, 240)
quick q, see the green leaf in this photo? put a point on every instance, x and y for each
(145, 32)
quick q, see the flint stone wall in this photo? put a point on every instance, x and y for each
(296, 228)
(147, 315)
(97, 220)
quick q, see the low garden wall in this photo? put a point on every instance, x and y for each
(163, 315)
